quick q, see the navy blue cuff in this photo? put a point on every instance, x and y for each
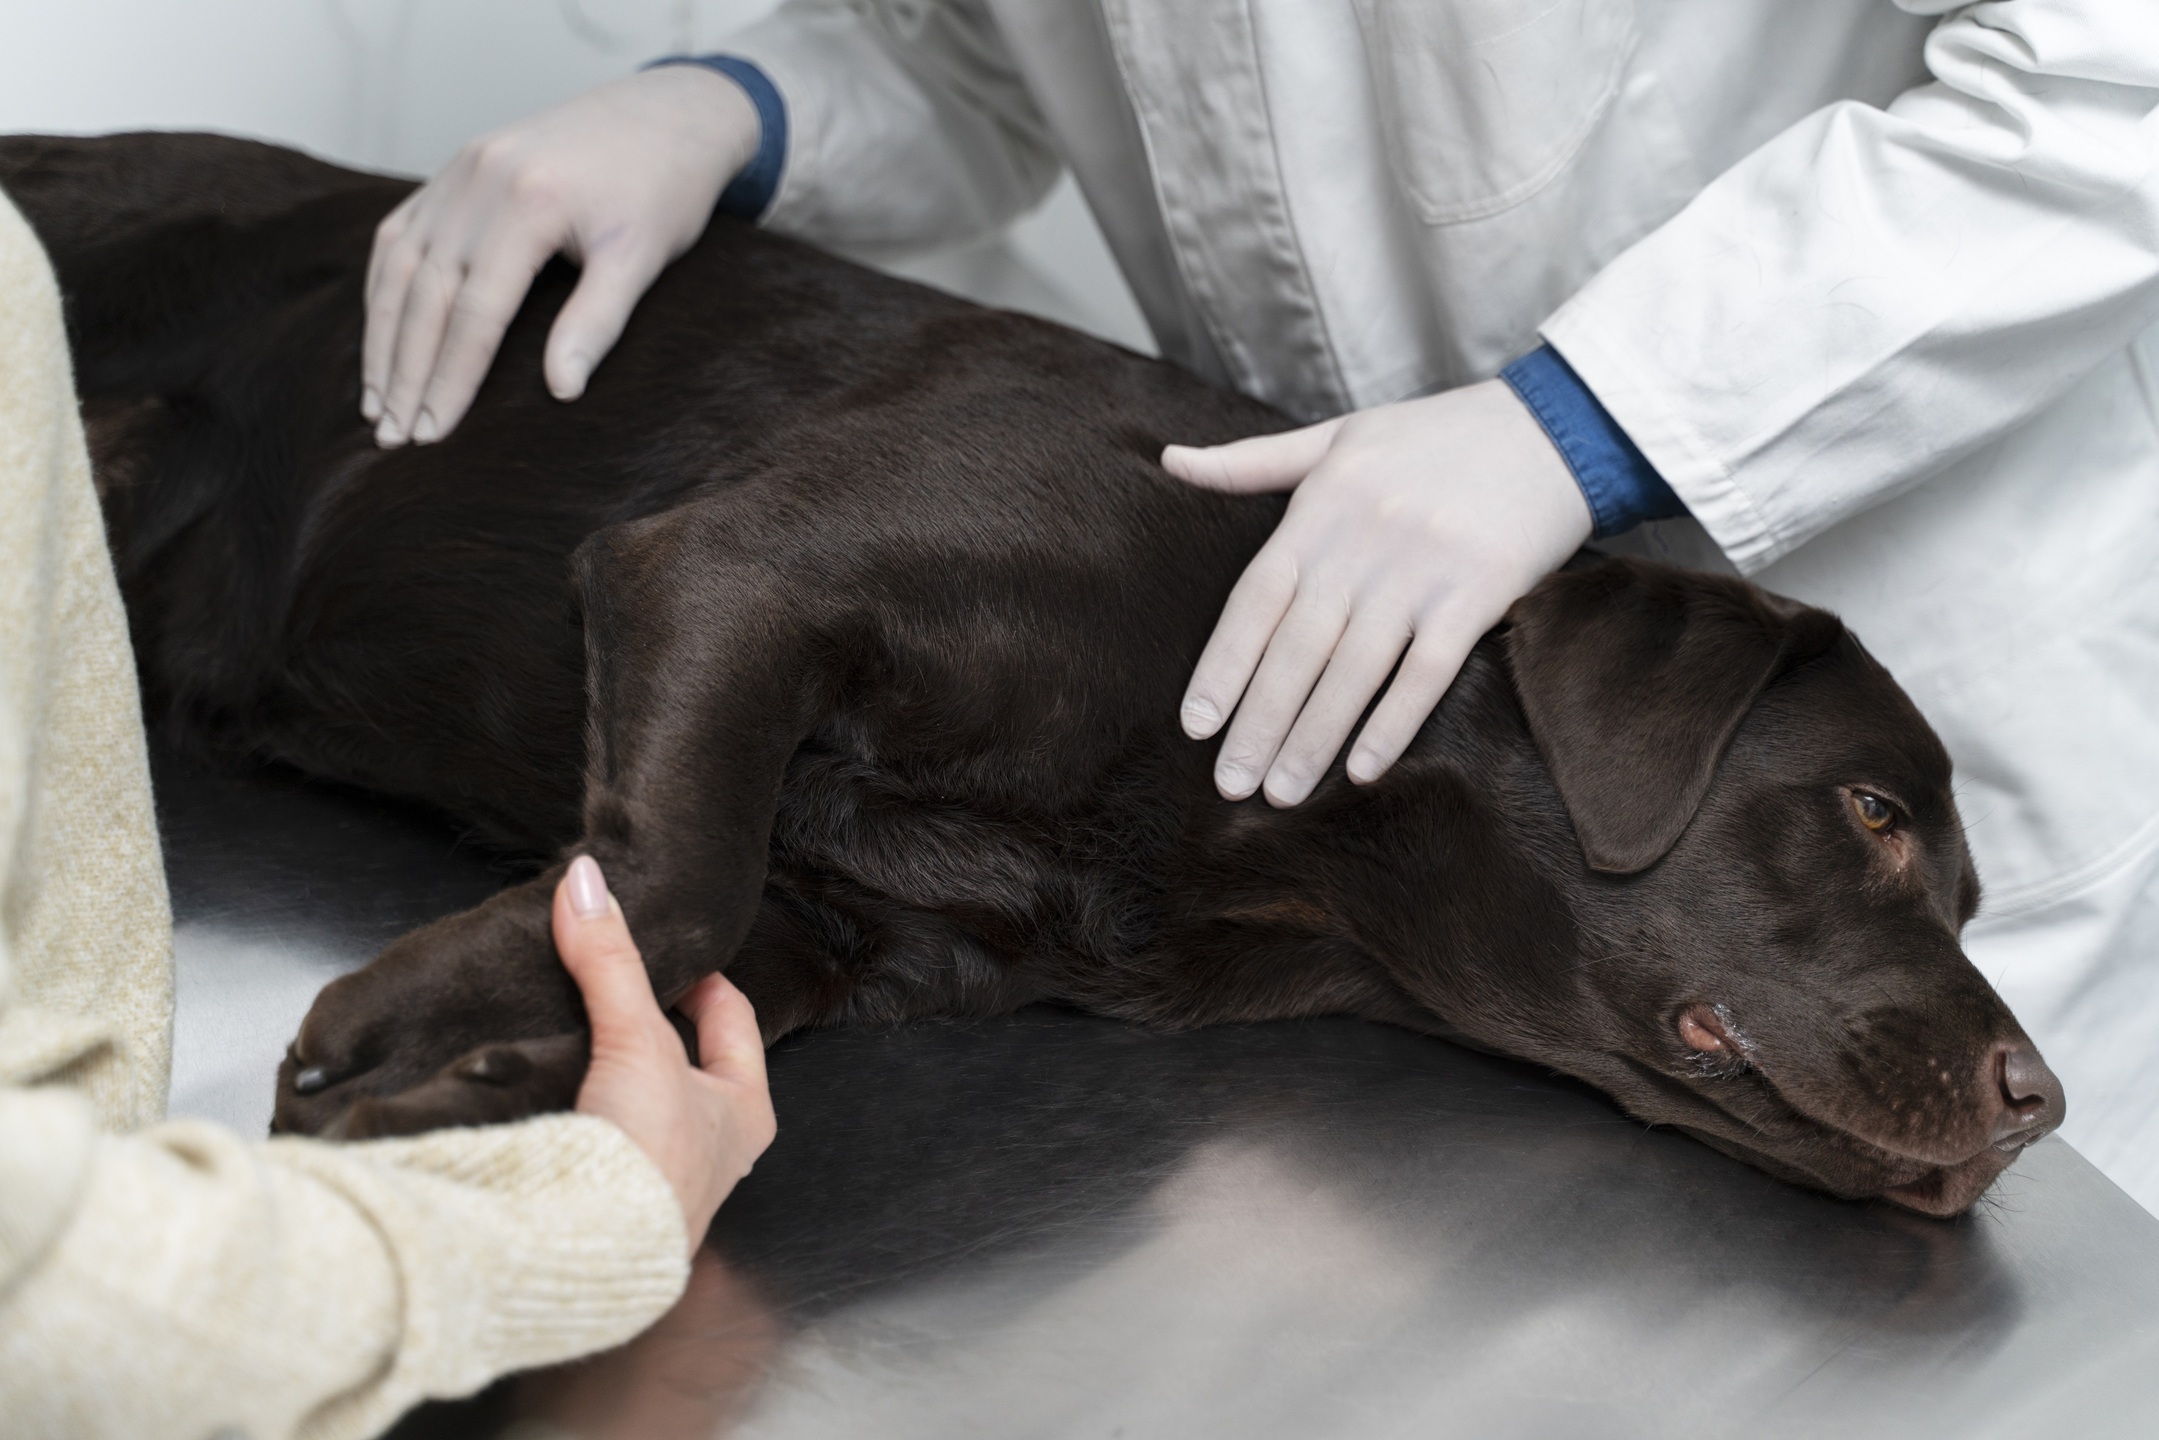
(750, 193)
(1623, 489)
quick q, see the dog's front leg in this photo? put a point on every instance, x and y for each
(710, 655)
(707, 662)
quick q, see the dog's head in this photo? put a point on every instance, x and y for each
(1765, 951)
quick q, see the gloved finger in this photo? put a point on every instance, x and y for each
(1374, 640)
(390, 266)
(1435, 657)
(1256, 605)
(420, 326)
(1250, 467)
(593, 939)
(1296, 655)
(729, 1045)
(592, 319)
(486, 304)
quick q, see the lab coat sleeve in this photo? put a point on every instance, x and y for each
(907, 123)
(1879, 292)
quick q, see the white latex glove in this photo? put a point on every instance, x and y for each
(1413, 528)
(620, 179)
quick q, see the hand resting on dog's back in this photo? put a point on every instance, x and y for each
(845, 624)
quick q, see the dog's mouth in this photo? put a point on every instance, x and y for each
(1949, 1190)
(1937, 1169)
(1744, 1113)
(1923, 1183)
(1848, 1166)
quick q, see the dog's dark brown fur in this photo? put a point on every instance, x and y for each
(845, 623)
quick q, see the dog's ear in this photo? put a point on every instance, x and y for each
(1634, 677)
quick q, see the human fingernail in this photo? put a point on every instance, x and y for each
(426, 430)
(1363, 769)
(588, 888)
(1285, 789)
(1234, 781)
(371, 403)
(1200, 718)
(389, 434)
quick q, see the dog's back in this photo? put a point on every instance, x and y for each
(405, 620)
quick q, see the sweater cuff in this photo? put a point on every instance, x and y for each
(750, 193)
(514, 1246)
(583, 1235)
(1623, 489)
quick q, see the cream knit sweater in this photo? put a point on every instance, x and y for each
(180, 1280)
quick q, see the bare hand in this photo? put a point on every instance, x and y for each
(1413, 528)
(704, 1126)
(621, 179)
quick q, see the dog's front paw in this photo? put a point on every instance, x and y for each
(492, 1085)
(483, 978)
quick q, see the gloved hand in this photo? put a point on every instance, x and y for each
(621, 179)
(1413, 528)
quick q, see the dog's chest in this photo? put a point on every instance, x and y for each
(898, 869)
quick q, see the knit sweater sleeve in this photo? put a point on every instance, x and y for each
(197, 1283)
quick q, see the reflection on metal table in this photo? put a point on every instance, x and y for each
(1051, 1225)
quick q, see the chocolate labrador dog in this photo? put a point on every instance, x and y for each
(845, 623)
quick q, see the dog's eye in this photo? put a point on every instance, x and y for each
(1874, 812)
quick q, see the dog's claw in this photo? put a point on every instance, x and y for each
(314, 1078)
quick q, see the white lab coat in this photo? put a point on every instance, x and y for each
(1872, 284)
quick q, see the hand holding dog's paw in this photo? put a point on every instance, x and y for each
(703, 1125)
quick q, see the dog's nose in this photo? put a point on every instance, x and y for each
(2030, 1095)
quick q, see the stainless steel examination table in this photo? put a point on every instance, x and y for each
(1051, 1225)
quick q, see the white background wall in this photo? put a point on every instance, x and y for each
(400, 84)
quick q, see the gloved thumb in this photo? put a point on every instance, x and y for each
(615, 278)
(1254, 466)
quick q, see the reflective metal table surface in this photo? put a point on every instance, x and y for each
(1055, 1226)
